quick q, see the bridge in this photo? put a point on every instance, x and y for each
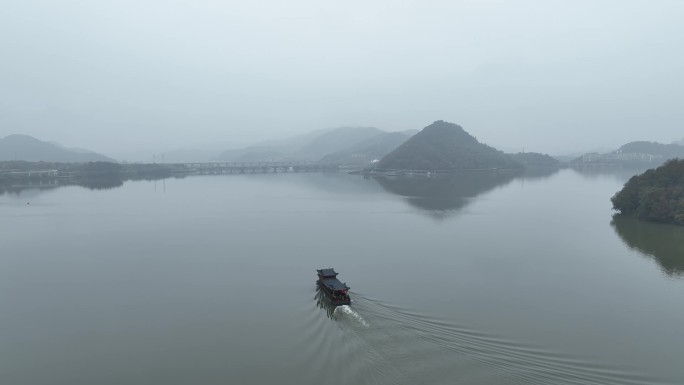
(212, 168)
(30, 173)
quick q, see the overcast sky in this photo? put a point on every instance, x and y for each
(117, 76)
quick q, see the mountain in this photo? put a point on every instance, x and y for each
(366, 151)
(679, 142)
(410, 132)
(336, 140)
(256, 153)
(183, 155)
(307, 147)
(295, 142)
(445, 146)
(535, 159)
(264, 155)
(28, 148)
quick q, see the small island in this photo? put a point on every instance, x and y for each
(657, 195)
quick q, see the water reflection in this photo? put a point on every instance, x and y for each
(100, 183)
(621, 174)
(88, 183)
(538, 173)
(9, 189)
(443, 195)
(664, 243)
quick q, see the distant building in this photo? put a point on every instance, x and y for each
(590, 157)
(621, 156)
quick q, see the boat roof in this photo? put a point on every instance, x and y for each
(335, 284)
(327, 272)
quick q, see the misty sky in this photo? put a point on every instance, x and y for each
(120, 76)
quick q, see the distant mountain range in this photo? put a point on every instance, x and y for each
(370, 150)
(344, 145)
(666, 150)
(28, 148)
(445, 146)
(637, 153)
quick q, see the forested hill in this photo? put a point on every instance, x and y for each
(656, 195)
(445, 146)
(535, 159)
(308, 147)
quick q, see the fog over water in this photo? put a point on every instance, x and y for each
(130, 78)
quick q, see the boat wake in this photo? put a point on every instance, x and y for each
(347, 311)
(389, 345)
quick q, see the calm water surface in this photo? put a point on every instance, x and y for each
(478, 279)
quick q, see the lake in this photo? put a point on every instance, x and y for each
(478, 278)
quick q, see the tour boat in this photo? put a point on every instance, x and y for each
(335, 290)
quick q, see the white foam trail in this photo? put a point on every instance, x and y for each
(347, 310)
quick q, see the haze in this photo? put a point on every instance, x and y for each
(132, 77)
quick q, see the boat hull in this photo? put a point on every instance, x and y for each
(330, 295)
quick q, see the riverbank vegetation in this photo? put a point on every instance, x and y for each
(657, 195)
